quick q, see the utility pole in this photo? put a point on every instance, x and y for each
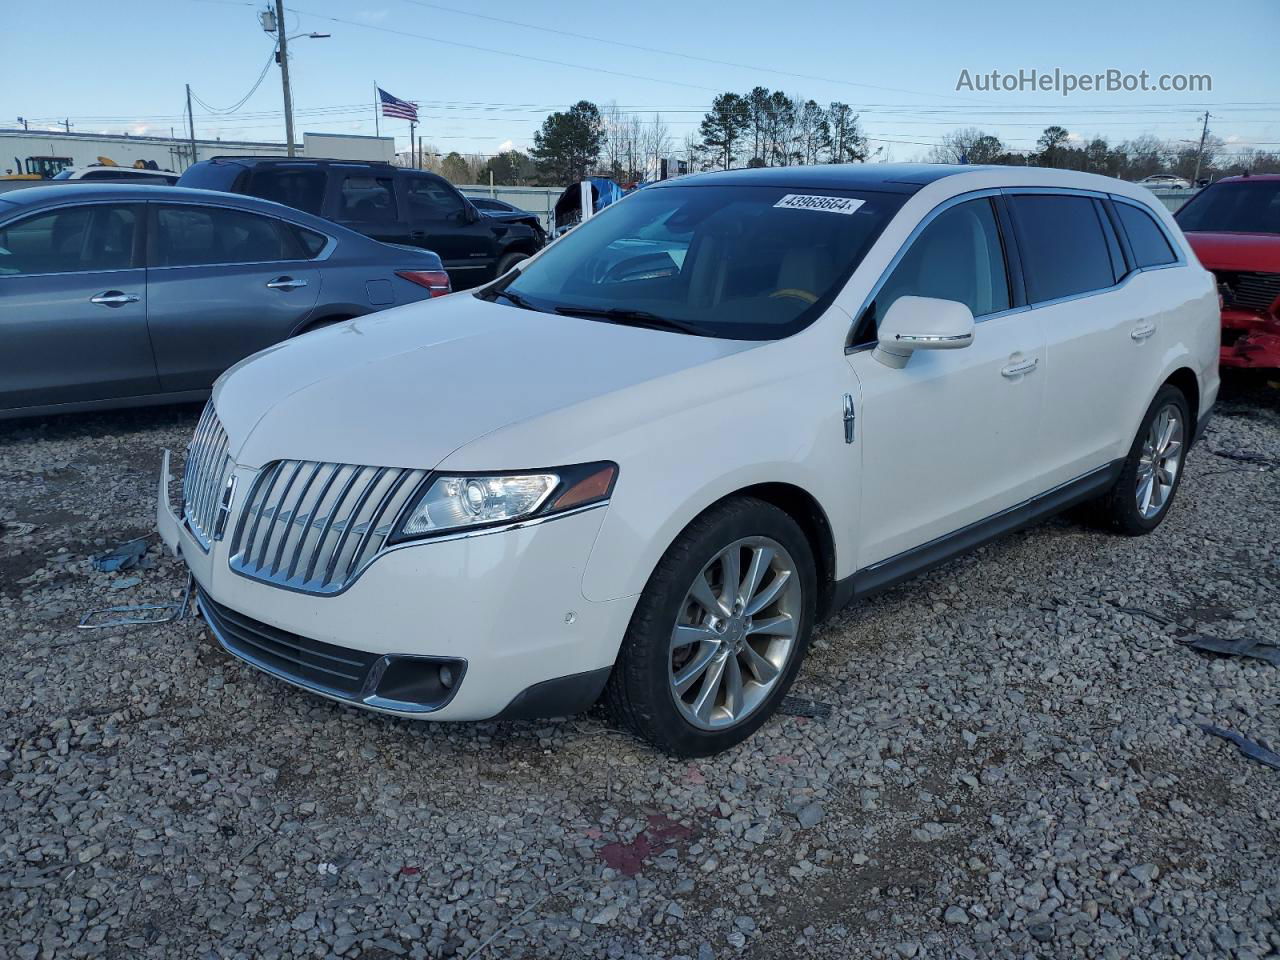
(282, 54)
(191, 125)
(1204, 132)
(23, 121)
(67, 124)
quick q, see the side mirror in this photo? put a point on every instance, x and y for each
(922, 323)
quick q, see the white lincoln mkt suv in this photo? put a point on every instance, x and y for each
(642, 464)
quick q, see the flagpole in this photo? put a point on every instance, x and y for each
(413, 141)
(377, 127)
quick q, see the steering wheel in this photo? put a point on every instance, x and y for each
(796, 293)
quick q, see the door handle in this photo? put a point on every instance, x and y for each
(285, 283)
(1142, 331)
(417, 234)
(114, 298)
(1019, 368)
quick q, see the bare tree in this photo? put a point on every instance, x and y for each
(657, 145)
(969, 145)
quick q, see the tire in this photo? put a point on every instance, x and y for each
(1122, 507)
(682, 698)
(507, 262)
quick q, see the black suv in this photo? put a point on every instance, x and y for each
(388, 203)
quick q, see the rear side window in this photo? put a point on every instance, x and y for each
(368, 199)
(311, 241)
(958, 256)
(215, 175)
(71, 240)
(1147, 241)
(302, 189)
(199, 236)
(1063, 245)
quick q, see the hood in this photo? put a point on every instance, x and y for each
(1251, 252)
(406, 387)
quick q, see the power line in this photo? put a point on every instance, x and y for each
(685, 56)
(501, 53)
(243, 100)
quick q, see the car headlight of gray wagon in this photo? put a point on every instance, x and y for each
(457, 502)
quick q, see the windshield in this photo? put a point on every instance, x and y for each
(1240, 207)
(739, 262)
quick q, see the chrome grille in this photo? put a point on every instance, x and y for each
(312, 526)
(1253, 291)
(207, 474)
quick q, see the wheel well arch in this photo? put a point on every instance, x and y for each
(1184, 379)
(324, 319)
(527, 246)
(805, 510)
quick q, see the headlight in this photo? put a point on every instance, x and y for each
(454, 502)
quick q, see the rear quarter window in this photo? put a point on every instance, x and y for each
(1063, 245)
(1147, 241)
(213, 176)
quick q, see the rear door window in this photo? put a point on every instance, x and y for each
(198, 236)
(79, 239)
(1147, 241)
(1063, 245)
(367, 199)
(300, 188)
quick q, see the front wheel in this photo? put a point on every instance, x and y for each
(1152, 472)
(507, 262)
(719, 632)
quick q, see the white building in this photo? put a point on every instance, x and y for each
(170, 153)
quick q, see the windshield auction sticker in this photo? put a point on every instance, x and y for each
(801, 201)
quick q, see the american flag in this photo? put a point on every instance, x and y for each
(395, 107)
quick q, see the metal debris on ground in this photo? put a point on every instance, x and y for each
(1243, 647)
(139, 614)
(804, 707)
(17, 528)
(1250, 749)
(124, 557)
(1247, 456)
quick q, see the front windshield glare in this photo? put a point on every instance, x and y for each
(1234, 208)
(739, 262)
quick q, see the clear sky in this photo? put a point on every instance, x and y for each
(122, 65)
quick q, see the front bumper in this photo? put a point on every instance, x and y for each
(508, 605)
(1249, 340)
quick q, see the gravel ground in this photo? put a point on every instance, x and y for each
(1012, 765)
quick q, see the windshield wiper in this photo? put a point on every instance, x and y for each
(513, 298)
(635, 318)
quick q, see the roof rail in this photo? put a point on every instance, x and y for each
(380, 163)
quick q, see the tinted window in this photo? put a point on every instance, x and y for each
(741, 262)
(958, 256)
(1146, 239)
(302, 189)
(71, 239)
(1064, 248)
(370, 199)
(430, 199)
(311, 241)
(484, 203)
(1238, 207)
(193, 236)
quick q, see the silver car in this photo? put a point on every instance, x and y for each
(122, 295)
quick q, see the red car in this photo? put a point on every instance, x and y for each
(1234, 228)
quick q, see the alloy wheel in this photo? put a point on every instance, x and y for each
(1160, 461)
(735, 633)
